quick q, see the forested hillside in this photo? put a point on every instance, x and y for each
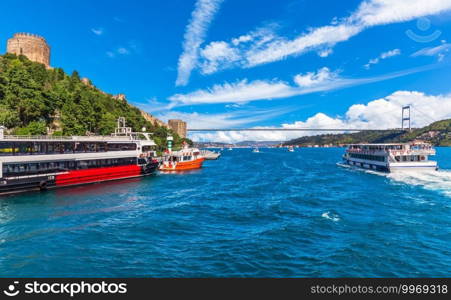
(437, 133)
(33, 98)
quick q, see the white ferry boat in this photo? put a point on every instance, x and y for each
(44, 162)
(391, 157)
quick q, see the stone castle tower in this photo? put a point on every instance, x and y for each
(178, 126)
(33, 46)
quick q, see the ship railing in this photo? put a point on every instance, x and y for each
(369, 152)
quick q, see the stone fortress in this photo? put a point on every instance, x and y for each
(36, 49)
(178, 126)
(32, 46)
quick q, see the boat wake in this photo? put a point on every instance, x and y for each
(433, 180)
(430, 180)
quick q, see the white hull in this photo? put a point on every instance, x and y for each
(393, 167)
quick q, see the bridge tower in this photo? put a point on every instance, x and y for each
(405, 117)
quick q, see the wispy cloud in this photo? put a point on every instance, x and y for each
(379, 113)
(97, 31)
(439, 51)
(225, 120)
(312, 82)
(131, 48)
(265, 46)
(195, 33)
(384, 55)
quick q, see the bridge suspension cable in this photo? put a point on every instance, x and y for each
(291, 129)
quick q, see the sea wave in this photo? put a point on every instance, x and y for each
(331, 216)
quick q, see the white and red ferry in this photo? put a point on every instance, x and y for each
(391, 157)
(182, 160)
(43, 162)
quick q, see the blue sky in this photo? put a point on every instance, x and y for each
(251, 63)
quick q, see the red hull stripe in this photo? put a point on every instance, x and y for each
(97, 174)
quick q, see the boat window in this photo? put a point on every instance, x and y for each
(121, 146)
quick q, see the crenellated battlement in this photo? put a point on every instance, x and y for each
(32, 35)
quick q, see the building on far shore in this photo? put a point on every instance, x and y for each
(178, 126)
(33, 46)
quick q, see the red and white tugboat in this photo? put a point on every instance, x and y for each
(184, 159)
(44, 162)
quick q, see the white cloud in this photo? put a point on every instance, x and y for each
(244, 91)
(215, 54)
(132, 47)
(97, 31)
(325, 52)
(195, 34)
(439, 51)
(254, 48)
(381, 113)
(123, 51)
(309, 79)
(223, 120)
(384, 55)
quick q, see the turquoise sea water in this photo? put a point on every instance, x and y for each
(267, 214)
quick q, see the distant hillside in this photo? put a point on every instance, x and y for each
(258, 143)
(438, 134)
(35, 100)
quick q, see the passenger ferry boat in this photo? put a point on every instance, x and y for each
(44, 162)
(185, 159)
(391, 157)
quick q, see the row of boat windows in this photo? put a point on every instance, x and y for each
(15, 169)
(410, 158)
(377, 147)
(179, 158)
(367, 156)
(21, 148)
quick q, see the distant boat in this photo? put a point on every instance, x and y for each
(210, 155)
(291, 149)
(230, 149)
(255, 150)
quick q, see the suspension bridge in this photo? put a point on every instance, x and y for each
(405, 126)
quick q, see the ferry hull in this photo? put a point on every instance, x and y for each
(394, 167)
(75, 177)
(183, 166)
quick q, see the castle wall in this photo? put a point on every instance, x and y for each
(178, 126)
(34, 47)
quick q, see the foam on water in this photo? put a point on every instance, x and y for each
(433, 180)
(331, 216)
